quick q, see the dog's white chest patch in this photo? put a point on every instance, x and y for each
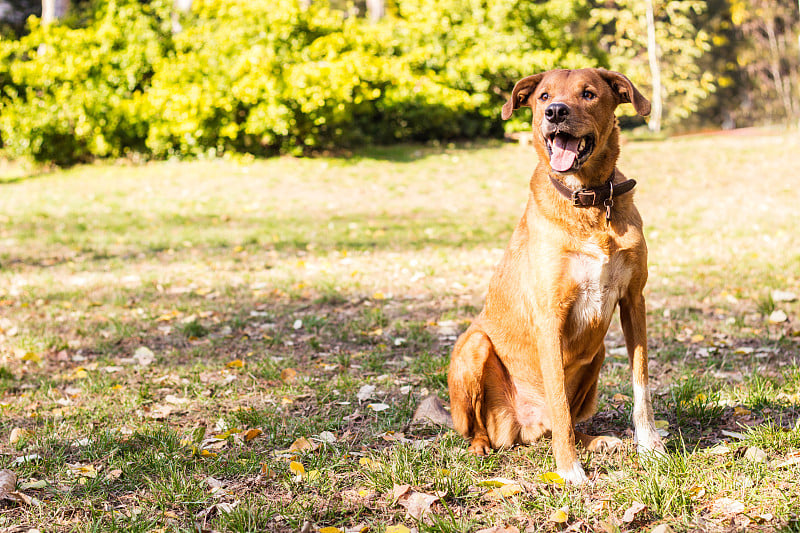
(597, 290)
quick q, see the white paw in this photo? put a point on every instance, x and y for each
(649, 445)
(574, 475)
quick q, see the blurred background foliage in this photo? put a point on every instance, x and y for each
(113, 78)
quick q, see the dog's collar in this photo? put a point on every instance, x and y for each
(595, 196)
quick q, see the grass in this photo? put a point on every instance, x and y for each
(271, 292)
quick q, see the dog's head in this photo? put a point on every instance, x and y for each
(573, 113)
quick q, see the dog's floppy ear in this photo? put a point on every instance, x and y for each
(519, 96)
(625, 91)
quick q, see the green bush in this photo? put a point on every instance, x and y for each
(72, 94)
(265, 76)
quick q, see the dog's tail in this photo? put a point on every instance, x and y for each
(433, 410)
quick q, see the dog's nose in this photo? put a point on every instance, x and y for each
(556, 112)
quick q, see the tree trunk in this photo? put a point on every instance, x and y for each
(376, 9)
(53, 10)
(655, 71)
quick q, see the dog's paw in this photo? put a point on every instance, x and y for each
(479, 447)
(604, 444)
(573, 475)
(649, 446)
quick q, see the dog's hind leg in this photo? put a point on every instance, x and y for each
(475, 383)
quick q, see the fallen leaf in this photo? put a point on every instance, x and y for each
(175, 400)
(297, 468)
(397, 529)
(755, 454)
(559, 516)
(398, 491)
(303, 444)
(26, 459)
(378, 407)
(727, 506)
(697, 338)
(719, 449)
(113, 474)
(378, 296)
(783, 296)
(330, 529)
(288, 375)
(778, 316)
(370, 463)
(620, 398)
(496, 482)
(551, 477)
(83, 470)
(250, 434)
(417, 504)
(506, 491)
(741, 411)
(144, 356)
(17, 434)
(327, 437)
(632, 511)
(236, 363)
(32, 356)
(365, 392)
(431, 410)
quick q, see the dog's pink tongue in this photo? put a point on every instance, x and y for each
(565, 151)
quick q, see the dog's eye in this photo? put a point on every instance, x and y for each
(589, 95)
(544, 96)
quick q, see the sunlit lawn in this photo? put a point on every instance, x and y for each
(269, 293)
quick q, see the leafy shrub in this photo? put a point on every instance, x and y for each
(70, 94)
(265, 76)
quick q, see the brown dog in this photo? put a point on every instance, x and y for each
(528, 364)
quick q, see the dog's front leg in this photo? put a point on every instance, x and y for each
(633, 318)
(552, 365)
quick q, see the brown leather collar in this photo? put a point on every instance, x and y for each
(595, 196)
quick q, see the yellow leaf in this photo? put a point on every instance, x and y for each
(369, 463)
(378, 296)
(662, 424)
(206, 453)
(700, 397)
(496, 482)
(170, 514)
(251, 434)
(302, 444)
(697, 338)
(551, 477)
(741, 411)
(288, 375)
(400, 528)
(80, 373)
(559, 516)
(236, 363)
(32, 356)
(313, 475)
(297, 468)
(330, 529)
(364, 493)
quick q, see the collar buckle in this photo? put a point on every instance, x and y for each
(580, 194)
